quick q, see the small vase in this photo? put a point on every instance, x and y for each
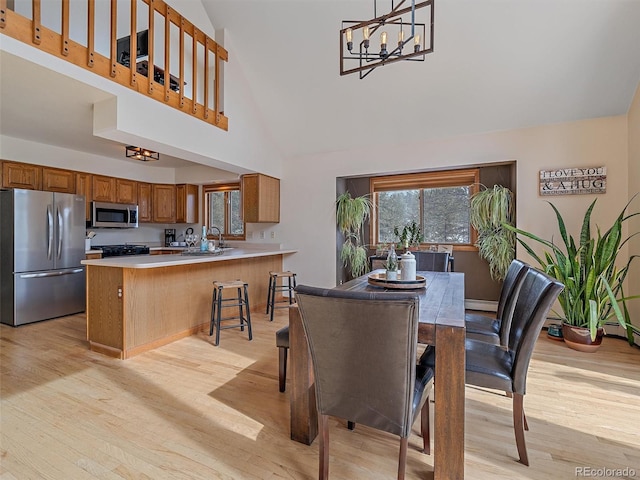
(579, 338)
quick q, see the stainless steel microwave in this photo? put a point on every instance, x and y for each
(114, 215)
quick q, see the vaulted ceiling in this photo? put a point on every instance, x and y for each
(497, 65)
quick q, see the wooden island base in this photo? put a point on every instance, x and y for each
(133, 310)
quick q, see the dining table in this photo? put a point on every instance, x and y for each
(442, 325)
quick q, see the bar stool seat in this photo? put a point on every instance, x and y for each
(274, 287)
(241, 300)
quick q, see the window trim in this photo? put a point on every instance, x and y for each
(223, 187)
(468, 177)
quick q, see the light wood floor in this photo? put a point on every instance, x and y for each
(190, 410)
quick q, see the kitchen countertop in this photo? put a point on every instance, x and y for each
(156, 261)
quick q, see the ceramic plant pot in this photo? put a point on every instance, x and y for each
(579, 338)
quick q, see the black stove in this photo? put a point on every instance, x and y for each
(118, 250)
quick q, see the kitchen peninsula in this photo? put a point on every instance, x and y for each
(138, 303)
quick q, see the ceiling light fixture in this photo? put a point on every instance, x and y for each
(400, 23)
(142, 154)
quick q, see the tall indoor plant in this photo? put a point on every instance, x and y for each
(492, 209)
(351, 213)
(593, 293)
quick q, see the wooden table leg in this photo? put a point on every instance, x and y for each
(304, 414)
(449, 398)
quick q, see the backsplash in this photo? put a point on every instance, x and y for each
(150, 235)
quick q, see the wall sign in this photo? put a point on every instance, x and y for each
(573, 181)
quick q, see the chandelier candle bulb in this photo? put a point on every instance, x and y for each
(349, 34)
(400, 38)
(383, 44)
(416, 43)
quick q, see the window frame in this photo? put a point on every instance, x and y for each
(468, 177)
(226, 187)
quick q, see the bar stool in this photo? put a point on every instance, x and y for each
(274, 287)
(240, 301)
(282, 342)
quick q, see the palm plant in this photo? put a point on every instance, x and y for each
(492, 209)
(593, 293)
(351, 213)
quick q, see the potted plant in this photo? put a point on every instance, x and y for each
(593, 294)
(409, 236)
(490, 210)
(391, 265)
(351, 213)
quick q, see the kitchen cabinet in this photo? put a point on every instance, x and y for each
(21, 175)
(144, 202)
(187, 203)
(163, 201)
(84, 185)
(58, 180)
(126, 191)
(260, 198)
(103, 189)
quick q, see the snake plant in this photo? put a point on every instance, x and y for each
(593, 282)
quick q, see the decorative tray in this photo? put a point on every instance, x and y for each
(380, 280)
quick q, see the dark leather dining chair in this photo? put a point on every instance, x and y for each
(363, 347)
(492, 366)
(496, 329)
(432, 261)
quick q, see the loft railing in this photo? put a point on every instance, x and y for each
(97, 35)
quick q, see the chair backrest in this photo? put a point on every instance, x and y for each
(508, 295)
(363, 346)
(536, 296)
(432, 261)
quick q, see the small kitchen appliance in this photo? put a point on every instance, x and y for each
(169, 236)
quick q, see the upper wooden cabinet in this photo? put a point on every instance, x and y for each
(21, 175)
(144, 202)
(58, 180)
(84, 184)
(104, 189)
(187, 203)
(164, 203)
(260, 198)
(126, 191)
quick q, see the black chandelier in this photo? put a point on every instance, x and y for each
(413, 42)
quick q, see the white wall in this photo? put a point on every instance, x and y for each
(634, 187)
(308, 183)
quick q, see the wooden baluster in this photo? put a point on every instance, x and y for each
(194, 75)
(151, 70)
(114, 29)
(216, 83)
(207, 49)
(181, 80)
(65, 28)
(167, 32)
(91, 29)
(3, 13)
(133, 43)
(36, 25)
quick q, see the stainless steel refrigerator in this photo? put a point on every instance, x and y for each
(41, 245)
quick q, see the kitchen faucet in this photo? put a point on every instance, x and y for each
(220, 240)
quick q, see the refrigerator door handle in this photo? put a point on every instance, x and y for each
(52, 274)
(49, 231)
(60, 231)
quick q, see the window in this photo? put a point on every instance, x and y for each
(223, 209)
(438, 202)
